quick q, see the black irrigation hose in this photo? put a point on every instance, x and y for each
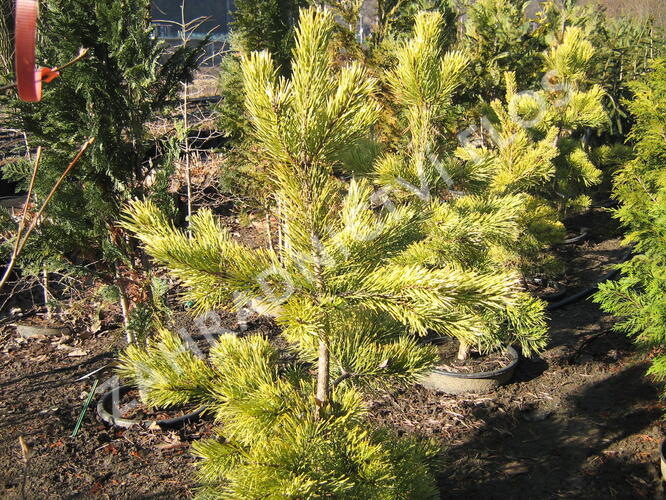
(586, 292)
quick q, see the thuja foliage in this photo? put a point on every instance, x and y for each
(348, 299)
(111, 95)
(500, 37)
(267, 25)
(639, 297)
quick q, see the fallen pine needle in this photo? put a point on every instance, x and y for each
(25, 449)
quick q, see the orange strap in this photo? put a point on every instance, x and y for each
(28, 79)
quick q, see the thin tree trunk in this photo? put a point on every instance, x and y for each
(45, 289)
(124, 306)
(464, 350)
(188, 176)
(21, 237)
(184, 38)
(8, 269)
(269, 230)
(323, 375)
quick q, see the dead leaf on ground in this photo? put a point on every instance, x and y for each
(171, 446)
(154, 426)
(172, 442)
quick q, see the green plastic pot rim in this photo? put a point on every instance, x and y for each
(491, 374)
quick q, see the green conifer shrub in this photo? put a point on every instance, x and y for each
(257, 25)
(471, 224)
(499, 37)
(638, 299)
(350, 302)
(267, 25)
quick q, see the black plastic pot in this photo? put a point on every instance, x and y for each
(105, 408)
(584, 231)
(459, 383)
(662, 450)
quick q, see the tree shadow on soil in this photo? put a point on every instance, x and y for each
(48, 374)
(562, 454)
(530, 368)
(32, 399)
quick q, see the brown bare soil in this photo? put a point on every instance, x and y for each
(580, 421)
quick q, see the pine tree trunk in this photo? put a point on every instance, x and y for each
(45, 291)
(323, 364)
(464, 350)
(188, 174)
(323, 375)
(124, 306)
(269, 230)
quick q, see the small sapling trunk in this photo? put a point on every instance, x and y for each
(464, 351)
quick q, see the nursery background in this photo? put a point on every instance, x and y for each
(391, 249)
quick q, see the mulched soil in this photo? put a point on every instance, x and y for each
(580, 421)
(545, 289)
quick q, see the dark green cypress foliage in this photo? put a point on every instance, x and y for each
(123, 84)
(268, 25)
(257, 25)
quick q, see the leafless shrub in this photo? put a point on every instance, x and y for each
(204, 170)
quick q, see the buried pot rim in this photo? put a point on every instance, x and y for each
(583, 233)
(110, 419)
(27, 330)
(510, 350)
(561, 289)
